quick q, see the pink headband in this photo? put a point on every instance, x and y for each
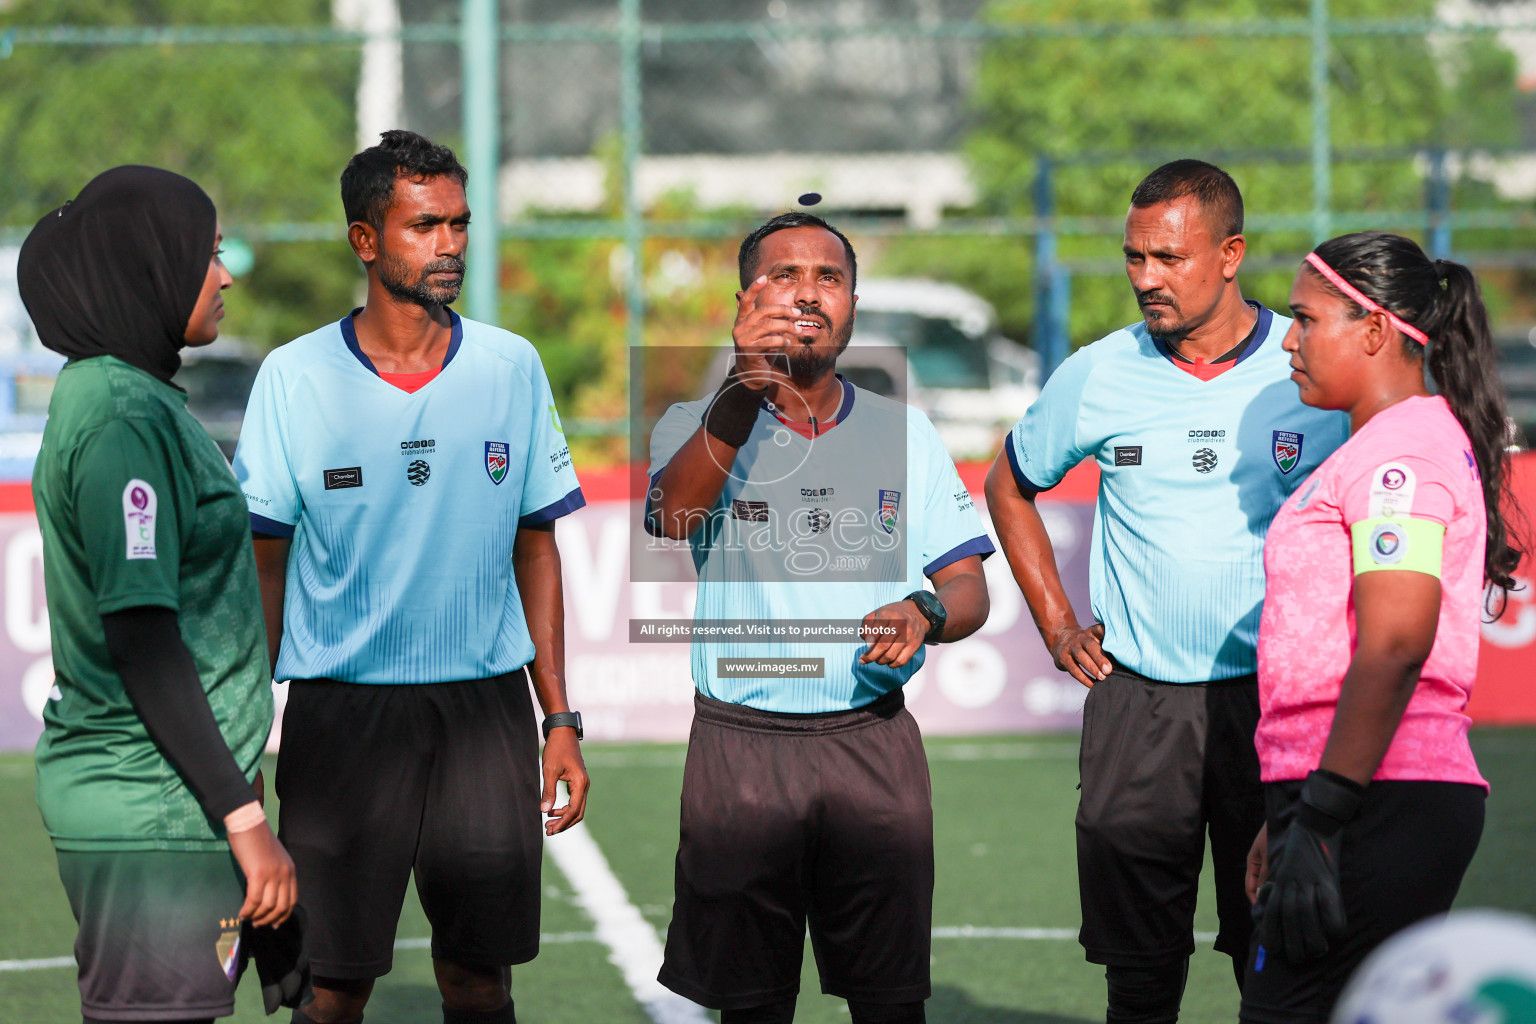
(1337, 280)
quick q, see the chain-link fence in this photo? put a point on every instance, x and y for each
(619, 148)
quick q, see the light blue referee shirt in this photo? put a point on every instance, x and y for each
(822, 528)
(1192, 472)
(403, 507)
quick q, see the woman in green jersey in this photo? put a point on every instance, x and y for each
(155, 729)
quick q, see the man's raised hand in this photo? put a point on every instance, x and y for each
(760, 332)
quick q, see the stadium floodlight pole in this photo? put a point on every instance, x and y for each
(480, 50)
(1322, 147)
(631, 130)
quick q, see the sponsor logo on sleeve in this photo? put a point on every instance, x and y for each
(496, 461)
(890, 501)
(352, 476)
(554, 419)
(963, 500)
(1286, 449)
(1128, 455)
(139, 518)
(1392, 487)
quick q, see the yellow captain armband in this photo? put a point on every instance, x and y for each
(1398, 543)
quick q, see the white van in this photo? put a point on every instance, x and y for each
(972, 382)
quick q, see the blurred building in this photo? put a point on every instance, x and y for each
(872, 123)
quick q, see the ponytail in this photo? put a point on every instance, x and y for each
(1441, 298)
(1460, 359)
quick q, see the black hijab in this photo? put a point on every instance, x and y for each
(117, 270)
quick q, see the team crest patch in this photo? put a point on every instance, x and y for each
(889, 502)
(228, 947)
(1287, 450)
(496, 460)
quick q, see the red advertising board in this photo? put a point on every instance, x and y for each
(1000, 680)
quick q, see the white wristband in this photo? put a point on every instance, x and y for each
(243, 819)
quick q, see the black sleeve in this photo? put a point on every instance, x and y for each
(162, 682)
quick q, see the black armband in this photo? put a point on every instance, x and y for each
(733, 410)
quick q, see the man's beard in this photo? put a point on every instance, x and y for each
(1164, 328)
(807, 363)
(395, 276)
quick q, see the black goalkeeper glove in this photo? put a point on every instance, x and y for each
(1303, 908)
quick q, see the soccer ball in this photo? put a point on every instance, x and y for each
(1468, 967)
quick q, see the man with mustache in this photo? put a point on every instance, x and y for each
(404, 469)
(1199, 436)
(806, 799)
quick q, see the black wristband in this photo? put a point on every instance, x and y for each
(733, 410)
(1329, 801)
(563, 719)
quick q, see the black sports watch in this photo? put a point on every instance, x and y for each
(933, 610)
(561, 719)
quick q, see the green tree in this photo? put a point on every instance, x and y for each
(265, 129)
(1147, 97)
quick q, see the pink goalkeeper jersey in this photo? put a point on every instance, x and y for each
(1412, 459)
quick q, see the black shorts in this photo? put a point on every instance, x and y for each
(440, 777)
(159, 932)
(1401, 860)
(1162, 764)
(794, 819)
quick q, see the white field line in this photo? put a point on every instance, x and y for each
(44, 964)
(971, 931)
(964, 931)
(49, 963)
(633, 946)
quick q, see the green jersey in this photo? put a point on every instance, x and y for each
(138, 507)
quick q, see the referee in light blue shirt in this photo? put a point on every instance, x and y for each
(403, 469)
(1199, 437)
(805, 798)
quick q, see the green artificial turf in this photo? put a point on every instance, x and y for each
(1003, 820)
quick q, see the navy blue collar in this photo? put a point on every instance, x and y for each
(842, 410)
(847, 406)
(1250, 345)
(349, 335)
